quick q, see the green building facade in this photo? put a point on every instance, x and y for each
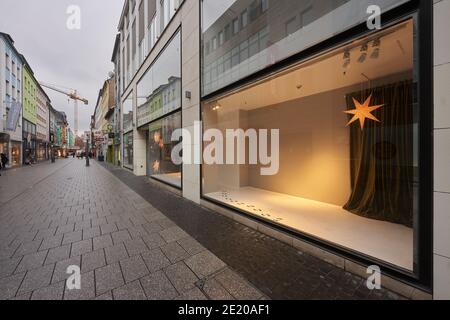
(29, 95)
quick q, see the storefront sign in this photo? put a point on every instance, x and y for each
(13, 116)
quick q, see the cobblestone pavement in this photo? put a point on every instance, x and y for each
(56, 215)
(278, 270)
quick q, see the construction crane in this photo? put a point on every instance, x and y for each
(72, 95)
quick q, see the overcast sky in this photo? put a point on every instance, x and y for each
(78, 59)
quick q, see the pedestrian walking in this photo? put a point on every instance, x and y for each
(4, 161)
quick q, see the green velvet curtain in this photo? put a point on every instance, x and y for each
(381, 156)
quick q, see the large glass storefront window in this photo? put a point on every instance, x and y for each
(348, 147)
(159, 99)
(159, 90)
(127, 113)
(128, 150)
(241, 37)
(160, 146)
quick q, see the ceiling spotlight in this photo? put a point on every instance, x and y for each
(363, 55)
(216, 107)
(347, 59)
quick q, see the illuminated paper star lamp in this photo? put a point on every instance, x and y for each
(363, 112)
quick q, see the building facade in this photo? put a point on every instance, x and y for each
(342, 143)
(42, 125)
(11, 67)
(29, 133)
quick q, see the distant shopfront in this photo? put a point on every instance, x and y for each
(29, 142)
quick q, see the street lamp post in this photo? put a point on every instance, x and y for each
(87, 152)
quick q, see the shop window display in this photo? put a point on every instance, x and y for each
(348, 171)
(160, 146)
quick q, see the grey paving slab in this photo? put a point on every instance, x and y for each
(133, 268)
(135, 247)
(181, 277)
(155, 260)
(92, 260)
(10, 285)
(173, 234)
(120, 236)
(215, 291)
(52, 292)
(103, 241)
(116, 253)
(36, 279)
(131, 291)
(58, 254)
(204, 264)
(108, 278)
(192, 295)
(158, 287)
(237, 286)
(32, 261)
(174, 252)
(81, 247)
(87, 290)
(60, 272)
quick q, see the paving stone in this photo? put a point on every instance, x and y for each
(53, 292)
(155, 260)
(82, 225)
(108, 278)
(164, 222)
(27, 248)
(153, 240)
(66, 228)
(32, 261)
(98, 221)
(215, 291)
(120, 236)
(60, 273)
(92, 260)
(204, 264)
(8, 266)
(116, 253)
(152, 227)
(174, 252)
(58, 254)
(237, 286)
(87, 290)
(133, 268)
(191, 245)
(81, 247)
(135, 247)
(192, 295)
(23, 297)
(10, 285)
(131, 291)
(91, 233)
(173, 234)
(158, 287)
(52, 242)
(102, 242)
(45, 233)
(36, 279)
(181, 277)
(106, 296)
(72, 237)
(108, 228)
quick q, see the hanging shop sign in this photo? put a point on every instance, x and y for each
(13, 116)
